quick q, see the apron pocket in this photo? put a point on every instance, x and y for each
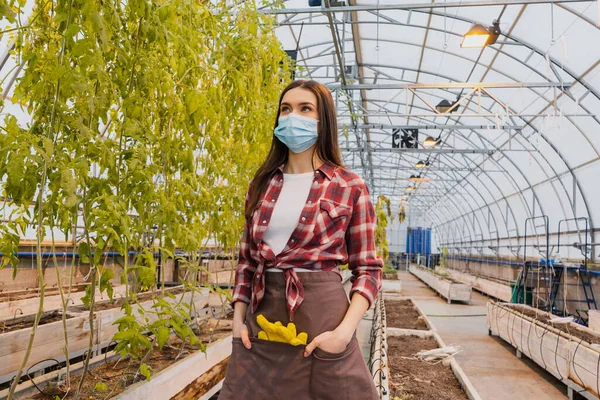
(268, 370)
(341, 376)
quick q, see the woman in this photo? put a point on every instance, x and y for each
(301, 223)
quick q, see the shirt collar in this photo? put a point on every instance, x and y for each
(326, 168)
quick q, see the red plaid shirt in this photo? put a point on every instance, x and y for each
(336, 226)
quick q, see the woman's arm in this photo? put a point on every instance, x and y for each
(243, 280)
(366, 269)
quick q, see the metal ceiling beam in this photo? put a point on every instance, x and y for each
(402, 150)
(455, 85)
(400, 115)
(417, 6)
(340, 58)
(439, 126)
(356, 41)
(435, 169)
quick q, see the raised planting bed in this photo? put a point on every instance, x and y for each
(106, 316)
(194, 377)
(413, 379)
(11, 307)
(486, 286)
(410, 378)
(570, 352)
(404, 314)
(48, 346)
(391, 285)
(393, 276)
(178, 372)
(449, 289)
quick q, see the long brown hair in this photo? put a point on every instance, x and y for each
(327, 146)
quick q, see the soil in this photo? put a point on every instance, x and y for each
(27, 322)
(119, 374)
(391, 276)
(419, 380)
(220, 329)
(403, 314)
(567, 328)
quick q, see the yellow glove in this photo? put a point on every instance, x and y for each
(276, 332)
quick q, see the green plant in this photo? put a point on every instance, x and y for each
(148, 119)
(388, 269)
(383, 213)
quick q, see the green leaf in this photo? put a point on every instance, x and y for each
(107, 275)
(87, 299)
(145, 371)
(162, 336)
(72, 30)
(84, 252)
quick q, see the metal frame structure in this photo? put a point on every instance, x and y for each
(479, 191)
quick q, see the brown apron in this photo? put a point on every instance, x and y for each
(273, 371)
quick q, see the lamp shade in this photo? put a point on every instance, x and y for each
(443, 106)
(477, 37)
(430, 142)
(422, 164)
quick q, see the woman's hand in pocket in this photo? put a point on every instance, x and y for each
(331, 341)
(240, 330)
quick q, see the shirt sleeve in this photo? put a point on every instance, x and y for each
(246, 266)
(363, 261)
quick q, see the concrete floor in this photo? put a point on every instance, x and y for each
(488, 361)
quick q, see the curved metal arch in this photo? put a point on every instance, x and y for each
(537, 161)
(536, 130)
(541, 135)
(571, 73)
(516, 187)
(453, 175)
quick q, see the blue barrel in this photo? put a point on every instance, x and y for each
(418, 240)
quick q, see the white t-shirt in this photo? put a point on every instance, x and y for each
(287, 210)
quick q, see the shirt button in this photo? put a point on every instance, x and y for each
(303, 219)
(265, 221)
(272, 199)
(309, 202)
(292, 240)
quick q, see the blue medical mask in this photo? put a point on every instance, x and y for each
(297, 132)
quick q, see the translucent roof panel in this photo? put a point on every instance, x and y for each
(524, 140)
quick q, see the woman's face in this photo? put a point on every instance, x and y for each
(299, 101)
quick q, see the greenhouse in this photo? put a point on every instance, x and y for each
(300, 199)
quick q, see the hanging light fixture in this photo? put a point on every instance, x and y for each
(422, 164)
(430, 142)
(417, 178)
(409, 189)
(445, 106)
(479, 36)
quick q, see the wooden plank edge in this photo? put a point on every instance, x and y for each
(484, 282)
(462, 378)
(212, 392)
(441, 280)
(427, 320)
(219, 350)
(408, 332)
